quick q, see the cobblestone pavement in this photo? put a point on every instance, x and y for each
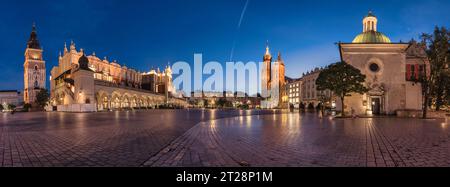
(95, 139)
(294, 140)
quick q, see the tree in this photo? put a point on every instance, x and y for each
(221, 102)
(42, 98)
(205, 103)
(11, 106)
(438, 51)
(27, 107)
(447, 89)
(342, 79)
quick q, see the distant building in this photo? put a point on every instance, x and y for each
(34, 68)
(12, 97)
(391, 69)
(293, 88)
(158, 82)
(309, 92)
(211, 99)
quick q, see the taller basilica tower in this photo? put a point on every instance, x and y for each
(34, 68)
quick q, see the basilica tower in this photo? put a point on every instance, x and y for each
(34, 68)
(267, 70)
(282, 82)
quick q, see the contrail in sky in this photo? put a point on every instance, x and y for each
(243, 14)
(239, 27)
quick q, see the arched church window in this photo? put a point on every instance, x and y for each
(35, 68)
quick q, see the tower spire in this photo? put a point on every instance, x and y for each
(33, 42)
(65, 48)
(267, 48)
(72, 46)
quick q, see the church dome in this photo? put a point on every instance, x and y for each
(371, 37)
(370, 33)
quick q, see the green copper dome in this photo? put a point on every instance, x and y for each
(371, 37)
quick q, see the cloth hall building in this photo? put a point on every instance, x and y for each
(86, 83)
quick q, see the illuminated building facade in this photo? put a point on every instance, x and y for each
(34, 69)
(309, 93)
(391, 71)
(273, 83)
(11, 97)
(293, 88)
(83, 83)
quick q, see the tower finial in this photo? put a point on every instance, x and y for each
(370, 14)
(267, 48)
(34, 26)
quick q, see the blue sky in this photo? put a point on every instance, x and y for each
(142, 33)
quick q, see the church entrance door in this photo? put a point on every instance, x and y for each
(376, 106)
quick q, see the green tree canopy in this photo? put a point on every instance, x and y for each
(342, 79)
(42, 98)
(438, 50)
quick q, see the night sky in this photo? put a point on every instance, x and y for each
(142, 33)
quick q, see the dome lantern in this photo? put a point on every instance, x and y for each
(370, 32)
(370, 22)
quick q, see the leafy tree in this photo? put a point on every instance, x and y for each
(5, 106)
(229, 104)
(438, 51)
(42, 98)
(244, 106)
(447, 88)
(205, 103)
(342, 79)
(11, 106)
(221, 102)
(27, 107)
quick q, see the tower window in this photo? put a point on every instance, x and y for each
(35, 68)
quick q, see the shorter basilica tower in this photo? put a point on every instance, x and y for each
(34, 69)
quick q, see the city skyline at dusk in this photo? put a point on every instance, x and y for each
(148, 36)
(225, 91)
